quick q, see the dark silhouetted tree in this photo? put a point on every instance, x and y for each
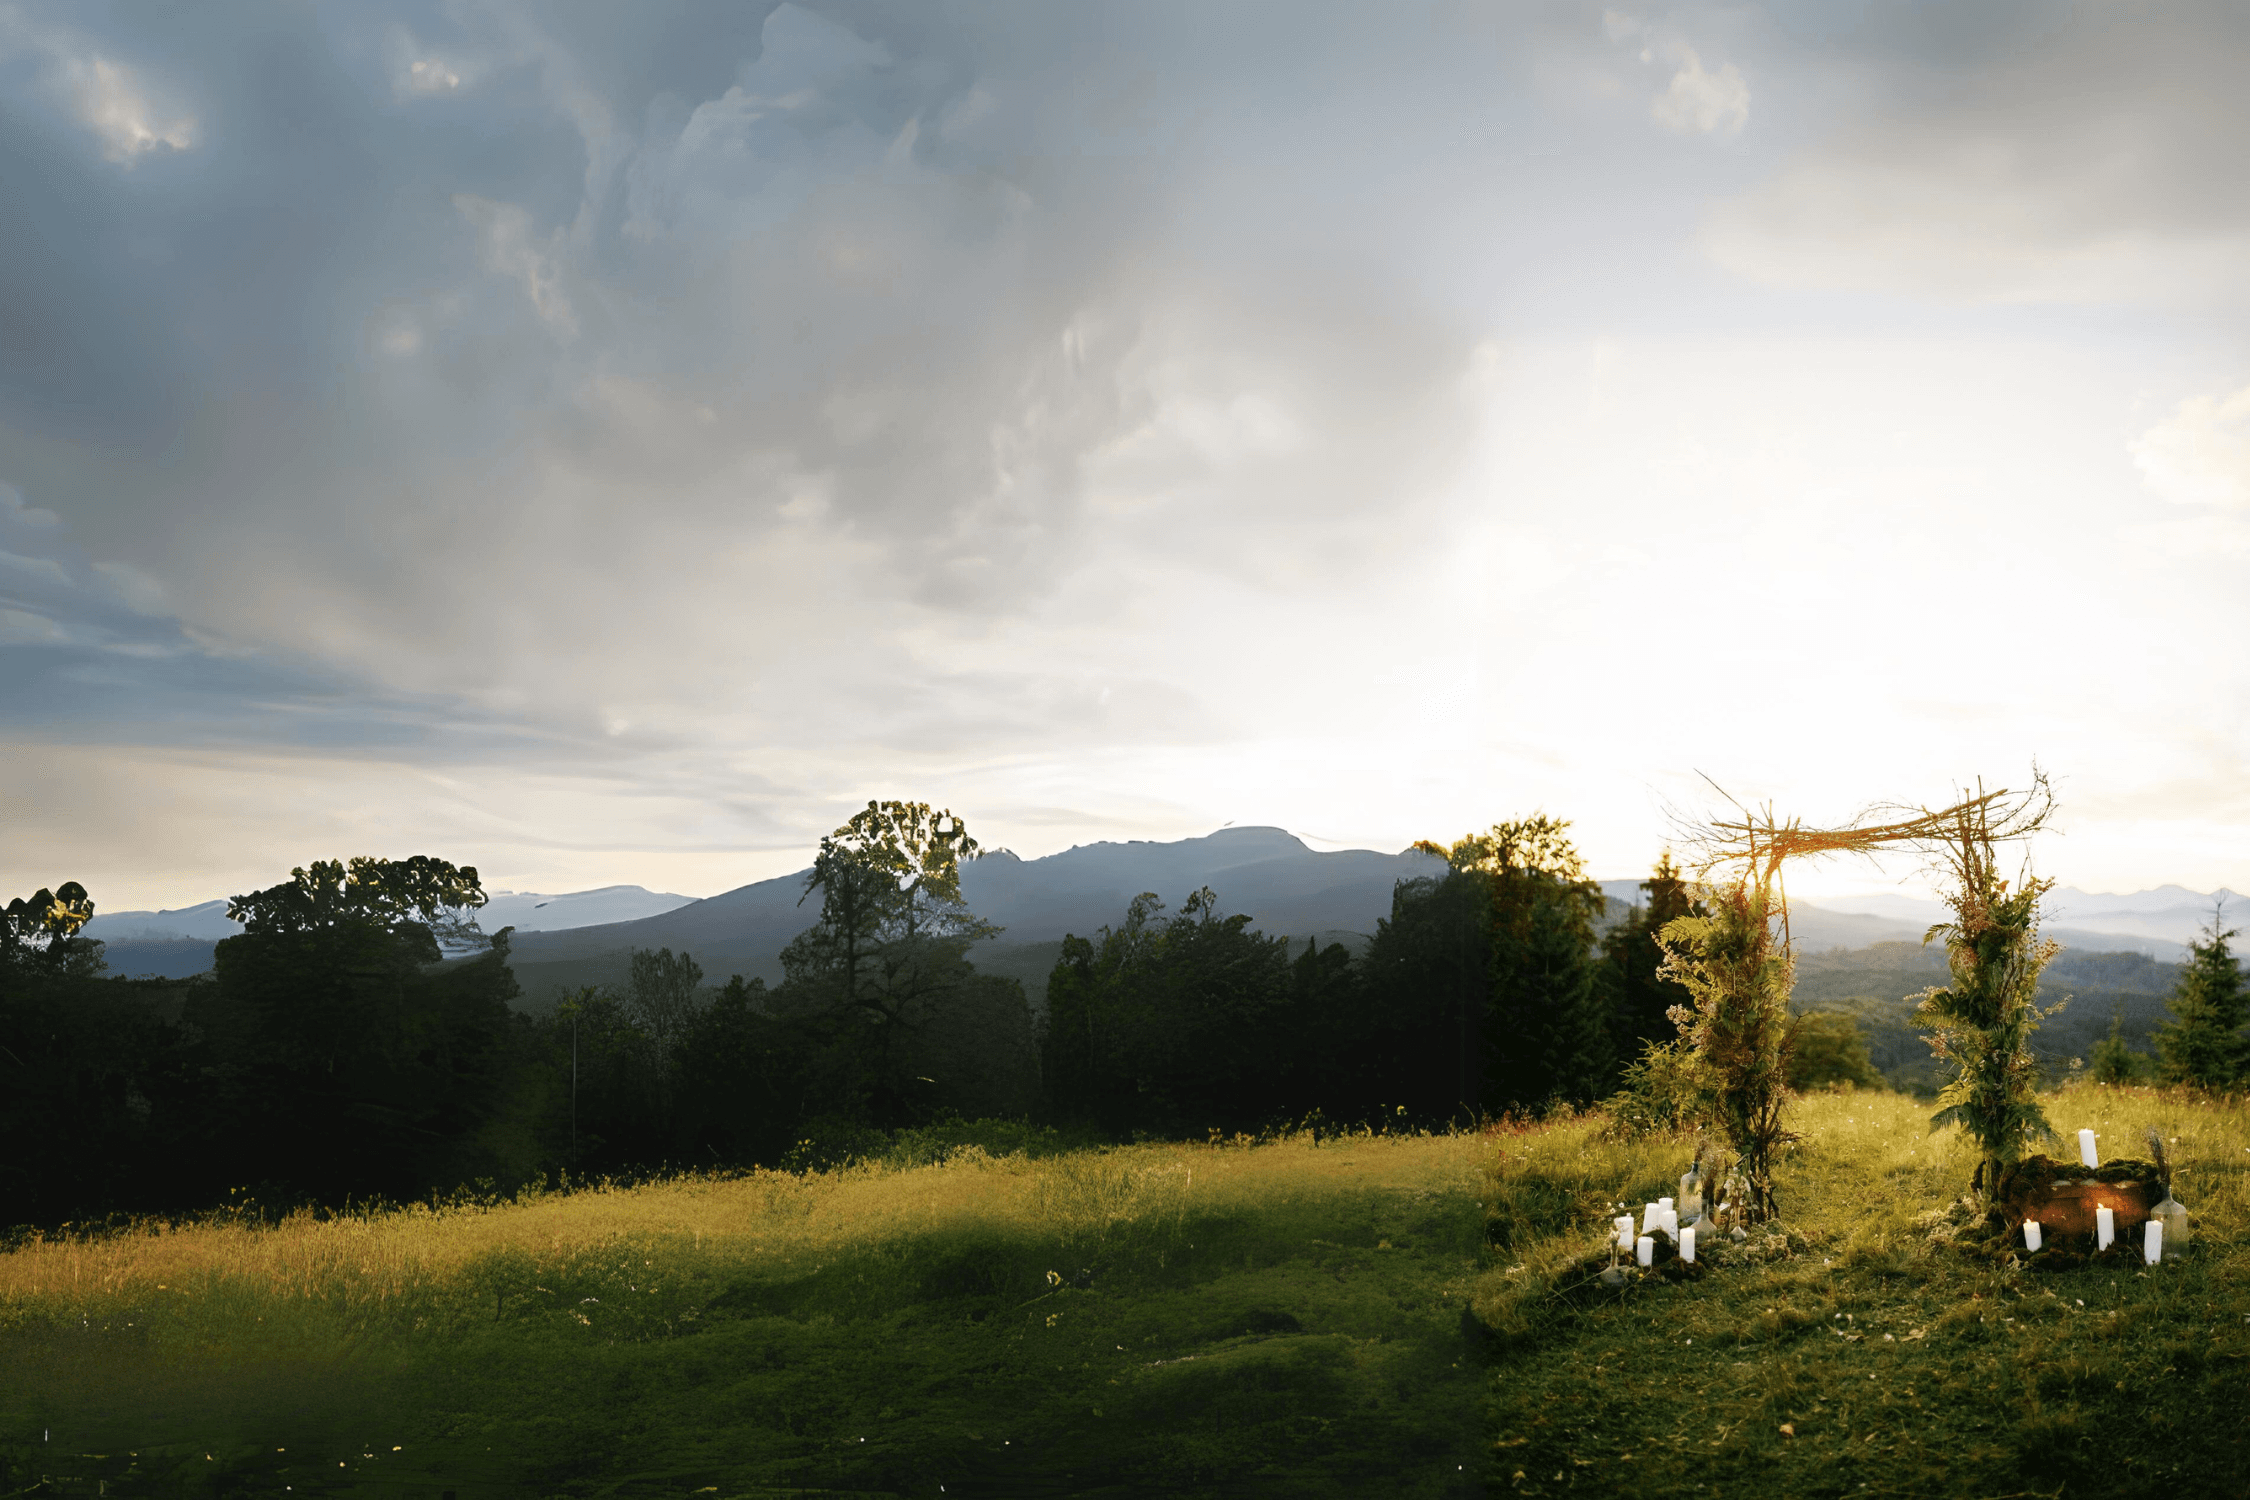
(883, 977)
(335, 1062)
(2203, 1043)
(1174, 1026)
(1546, 1027)
(1427, 982)
(1640, 997)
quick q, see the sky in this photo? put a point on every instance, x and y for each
(608, 444)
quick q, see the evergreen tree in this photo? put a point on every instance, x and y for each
(2203, 1043)
(1546, 1026)
(1426, 981)
(1640, 997)
(2114, 1059)
(882, 973)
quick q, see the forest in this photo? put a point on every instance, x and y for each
(334, 1055)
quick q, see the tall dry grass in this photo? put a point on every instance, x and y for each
(428, 1270)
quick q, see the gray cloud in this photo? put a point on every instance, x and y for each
(445, 362)
(729, 413)
(2022, 153)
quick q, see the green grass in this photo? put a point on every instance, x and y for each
(1900, 1366)
(1284, 1318)
(1277, 1319)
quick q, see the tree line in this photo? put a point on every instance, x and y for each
(333, 1054)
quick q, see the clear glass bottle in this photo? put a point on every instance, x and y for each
(1691, 1193)
(2175, 1217)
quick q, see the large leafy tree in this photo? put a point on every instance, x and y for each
(392, 895)
(884, 972)
(1175, 1025)
(744, 1081)
(335, 1062)
(1546, 1028)
(39, 933)
(662, 998)
(86, 1065)
(2203, 1043)
(1827, 1049)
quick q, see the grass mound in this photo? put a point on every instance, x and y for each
(1863, 1347)
(1284, 1318)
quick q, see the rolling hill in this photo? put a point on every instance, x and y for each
(1267, 873)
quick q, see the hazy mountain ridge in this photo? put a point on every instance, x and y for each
(178, 942)
(1285, 887)
(1267, 873)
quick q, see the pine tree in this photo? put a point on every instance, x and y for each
(2203, 1044)
(2114, 1059)
(1640, 998)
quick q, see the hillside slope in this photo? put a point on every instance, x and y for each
(1283, 886)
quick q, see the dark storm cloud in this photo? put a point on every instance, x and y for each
(440, 318)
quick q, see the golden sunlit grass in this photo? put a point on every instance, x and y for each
(1857, 1353)
(1283, 1317)
(976, 1316)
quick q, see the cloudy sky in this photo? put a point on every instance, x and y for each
(608, 444)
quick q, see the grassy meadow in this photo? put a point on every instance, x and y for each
(1852, 1351)
(1281, 1318)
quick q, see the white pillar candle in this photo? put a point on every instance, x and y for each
(1624, 1228)
(1687, 1243)
(2031, 1234)
(2086, 1149)
(1664, 1203)
(1649, 1217)
(2152, 1241)
(1644, 1250)
(1670, 1222)
(2105, 1228)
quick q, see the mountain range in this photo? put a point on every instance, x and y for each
(582, 937)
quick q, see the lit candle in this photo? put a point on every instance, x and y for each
(1644, 1250)
(2031, 1234)
(2086, 1149)
(1649, 1217)
(2105, 1228)
(2152, 1242)
(1687, 1243)
(1624, 1227)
